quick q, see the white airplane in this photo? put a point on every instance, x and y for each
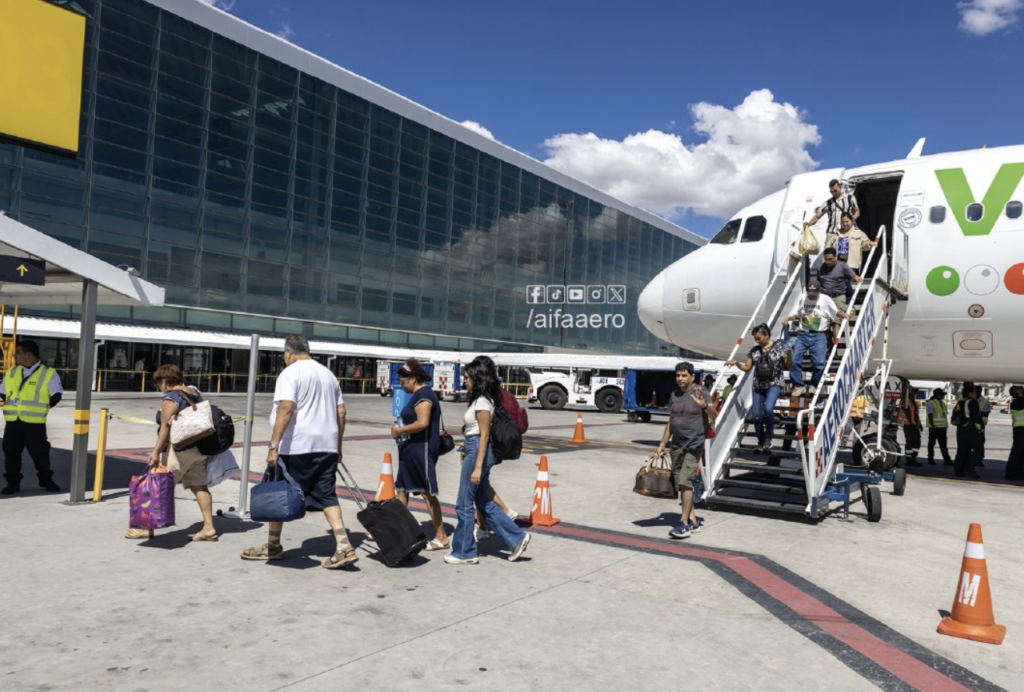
(963, 318)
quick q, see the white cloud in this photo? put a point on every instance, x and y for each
(225, 5)
(478, 128)
(984, 17)
(747, 152)
(286, 32)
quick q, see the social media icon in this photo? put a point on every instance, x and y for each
(595, 294)
(536, 294)
(616, 294)
(556, 294)
(576, 294)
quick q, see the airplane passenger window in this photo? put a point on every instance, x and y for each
(753, 231)
(937, 214)
(728, 233)
(1014, 209)
(975, 212)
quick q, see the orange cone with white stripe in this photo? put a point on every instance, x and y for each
(972, 616)
(386, 486)
(541, 515)
(578, 437)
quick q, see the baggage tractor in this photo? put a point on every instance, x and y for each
(390, 523)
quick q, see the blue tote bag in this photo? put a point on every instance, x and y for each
(277, 497)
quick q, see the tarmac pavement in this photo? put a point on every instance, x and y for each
(602, 601)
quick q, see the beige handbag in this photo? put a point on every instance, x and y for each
(191, 424)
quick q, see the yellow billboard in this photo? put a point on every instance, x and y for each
(42, 47)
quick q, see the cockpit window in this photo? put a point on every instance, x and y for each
(1014, 209)
(728, 233)
(753, 231)
(975, 212)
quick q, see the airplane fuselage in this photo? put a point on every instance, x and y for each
(962, 265)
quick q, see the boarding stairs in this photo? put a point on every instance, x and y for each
(799, 474)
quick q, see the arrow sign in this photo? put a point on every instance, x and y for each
(22, 270)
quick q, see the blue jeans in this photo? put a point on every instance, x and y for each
(815, 343)
(764, 413)
(472, 497)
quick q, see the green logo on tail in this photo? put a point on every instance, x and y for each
(959, 195)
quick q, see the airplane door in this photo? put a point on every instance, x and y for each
(900, 274)
(803, 195)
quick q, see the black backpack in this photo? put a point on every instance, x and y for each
(764, 369)
(506, 439)
(223, 437)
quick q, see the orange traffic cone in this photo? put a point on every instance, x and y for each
(386, 487)
(972, 616)
(578, 438)
(540, 514)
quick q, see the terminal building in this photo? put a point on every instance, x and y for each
(272, 192)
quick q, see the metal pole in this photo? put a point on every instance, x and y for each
(83, 393)
(101, 452)
(250, 407)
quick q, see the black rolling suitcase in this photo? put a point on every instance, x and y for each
(390, 523)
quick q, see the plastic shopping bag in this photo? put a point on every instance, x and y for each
(151, 499)
(809, 243)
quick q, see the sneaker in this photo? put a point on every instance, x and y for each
(512, 514)
(481, 534)
(798, 391)
(452, 560)
(914, 463)
(680, 530)
(520, 549)
(11, 489)
(931, 462)
(695, 526)
(767, 446)
(49, 486)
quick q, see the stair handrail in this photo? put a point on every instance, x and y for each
(711, 466)
(812, 471)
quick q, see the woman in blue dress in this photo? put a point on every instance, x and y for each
(419, 446)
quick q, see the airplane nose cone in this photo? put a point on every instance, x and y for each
(651, 307)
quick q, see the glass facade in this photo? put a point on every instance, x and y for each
(267, 200)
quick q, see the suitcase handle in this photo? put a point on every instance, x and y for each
(353, 488)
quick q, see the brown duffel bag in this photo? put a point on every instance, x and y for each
(654, 479)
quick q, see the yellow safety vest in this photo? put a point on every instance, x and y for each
(28, 401)
(1018, 418)
(859, 408)
(939, 419)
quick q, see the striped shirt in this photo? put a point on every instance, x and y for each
(835, 208)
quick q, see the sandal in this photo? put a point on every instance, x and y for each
(437, 545)
(196, 537)
(339, 560)
(138, 534)
(264, 552)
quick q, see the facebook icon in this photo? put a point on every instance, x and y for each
(535, 294)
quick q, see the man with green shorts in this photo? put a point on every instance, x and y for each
(689, 416)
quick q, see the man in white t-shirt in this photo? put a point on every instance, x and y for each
(308, 421)
(814, 321)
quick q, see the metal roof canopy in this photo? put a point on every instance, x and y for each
(73, 278)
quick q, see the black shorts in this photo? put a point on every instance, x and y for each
(314, 473)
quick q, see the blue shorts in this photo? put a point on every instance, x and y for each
(314, 473)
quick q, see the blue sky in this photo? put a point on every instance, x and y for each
(870, 76)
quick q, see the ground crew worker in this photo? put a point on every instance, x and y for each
(986, 408)
(937, 422)
(1015, 464)
(858, 412)
(968, 433)
(911, 429)
(731, 383)
(29, 390)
